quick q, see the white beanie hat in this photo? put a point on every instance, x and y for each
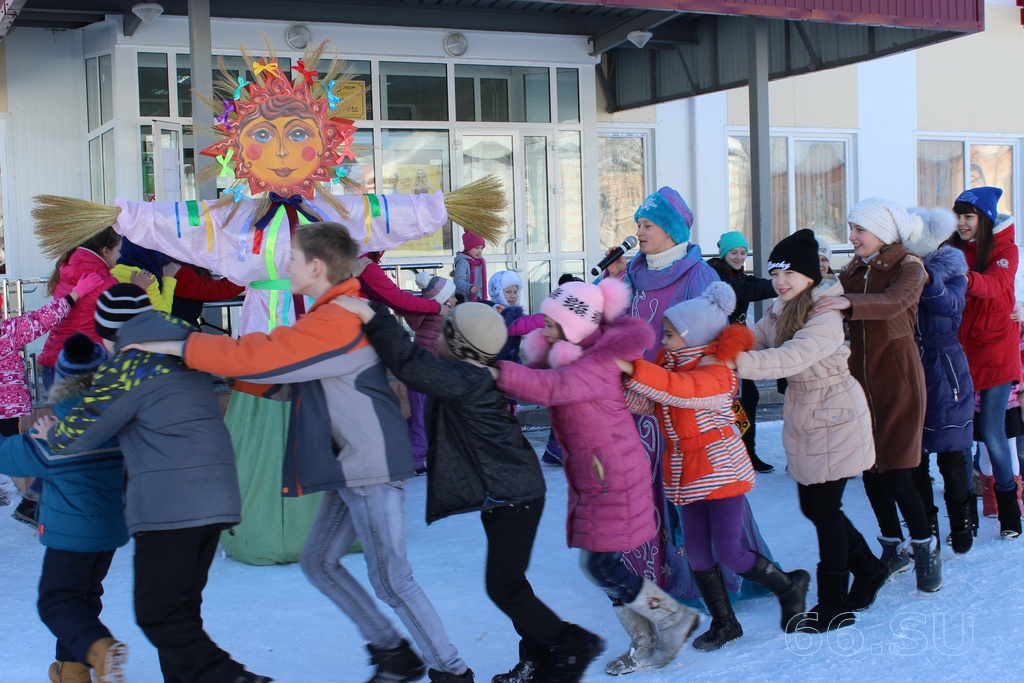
(886, 220)
(937, 226)
(824, 248)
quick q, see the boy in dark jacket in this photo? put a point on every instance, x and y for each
(478, 459)
(182, 485)
(347, 438)
(81, 523)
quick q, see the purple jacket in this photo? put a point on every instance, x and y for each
(655, 291)
(427, 328)
(611, 503)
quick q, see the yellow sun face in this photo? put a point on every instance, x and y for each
(281, 139)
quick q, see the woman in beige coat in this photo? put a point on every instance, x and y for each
(827, 426)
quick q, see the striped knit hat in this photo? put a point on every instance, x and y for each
(118, 305)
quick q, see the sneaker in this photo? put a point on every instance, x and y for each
(448, 677)
(396, 665)
(895, 555)
(27, 512)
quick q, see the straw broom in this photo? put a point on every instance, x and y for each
(479, 207)
(63, 223)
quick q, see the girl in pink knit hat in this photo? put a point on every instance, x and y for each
(470, 269)
(611, 504)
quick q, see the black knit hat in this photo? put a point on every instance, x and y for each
(118, 305)
(798, 252)
(79, 356)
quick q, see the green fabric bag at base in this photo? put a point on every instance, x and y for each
(273, 528)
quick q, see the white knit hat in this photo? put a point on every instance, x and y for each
(885, 219)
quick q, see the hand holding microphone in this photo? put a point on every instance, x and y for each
(614, 255)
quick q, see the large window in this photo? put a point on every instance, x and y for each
(502, 93)
(809, 185)
(942, 174)
(414, 92)
(417, 162)
(99, 104)
(621, 184)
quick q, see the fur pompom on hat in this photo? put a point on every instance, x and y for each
(700, 320)
(886, 220)
(471, 241)
(79, 356)
(666, 209)
(475, 331)
(579, 308)
(501, 281)
(936, 227)
(433, 287)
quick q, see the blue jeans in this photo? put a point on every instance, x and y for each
(993, 433)
(610, 574)
(376, 516)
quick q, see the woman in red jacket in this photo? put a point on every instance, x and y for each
(988, 334)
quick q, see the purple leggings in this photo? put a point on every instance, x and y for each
(717, 524)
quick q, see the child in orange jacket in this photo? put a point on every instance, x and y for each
(706, 468)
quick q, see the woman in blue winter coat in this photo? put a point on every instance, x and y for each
(949, 413)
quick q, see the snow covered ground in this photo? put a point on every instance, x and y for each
(271, 619)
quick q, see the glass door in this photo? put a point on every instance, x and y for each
(521, 161)
(166, 180)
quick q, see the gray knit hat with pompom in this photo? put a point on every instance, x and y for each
(699, 321)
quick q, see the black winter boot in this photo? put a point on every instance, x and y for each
(927, 564)
(933, 523)
(789, 587)
(830, 613)
(895, 555)
(446, 677)
(571, 656)
(961, 533)
(759, 465)
(724, 625)
(532, 668)
(869, 575)
(396, 665)
(1009, 514)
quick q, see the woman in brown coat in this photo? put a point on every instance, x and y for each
(883, 285)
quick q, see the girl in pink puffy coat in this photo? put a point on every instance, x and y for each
(611, 506)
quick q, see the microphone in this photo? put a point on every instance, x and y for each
(614, 255)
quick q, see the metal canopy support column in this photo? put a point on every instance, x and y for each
(760, 147)
(201, 64)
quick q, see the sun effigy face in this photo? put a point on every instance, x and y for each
(281, 139)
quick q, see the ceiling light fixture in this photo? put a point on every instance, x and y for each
(147, 11)
(639, 38)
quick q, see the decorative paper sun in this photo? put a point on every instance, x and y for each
(281, 139)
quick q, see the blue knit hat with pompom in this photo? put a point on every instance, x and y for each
(699, 321)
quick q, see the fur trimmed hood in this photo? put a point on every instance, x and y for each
(946, 263)
(70, 388)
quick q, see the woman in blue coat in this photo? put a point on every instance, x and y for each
(948, 430)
